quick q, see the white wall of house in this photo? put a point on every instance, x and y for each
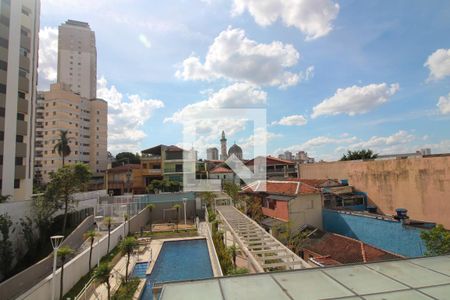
(306, 209)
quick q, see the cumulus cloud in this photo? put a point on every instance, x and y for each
(48, 56)
(293, 120)
(126, 117)
(439, 64)
(312, 17)
(192, 116)
(355, 99)
(145, 40)
(444, 104)
(235, 57)
(384, 143)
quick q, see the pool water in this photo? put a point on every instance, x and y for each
(140, 269)
(179, 260)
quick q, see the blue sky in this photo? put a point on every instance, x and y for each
(333, 75)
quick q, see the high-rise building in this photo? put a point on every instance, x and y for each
(212, 153)
(288, 155)
(223, 147)
(86, 123)
(77, 58)
(19, 27)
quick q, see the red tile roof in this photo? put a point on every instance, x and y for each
(220, 170)
(324, 261)
(346, 250)
(318, 183)
(270, 160)
(291, 188)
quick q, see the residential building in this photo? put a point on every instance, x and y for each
(212, 153)
(419, 184)
(19, 27)
(223, 174)
(275, 167)
(303, 158)
(84, 119)
(327, 249)
(286, 202)
(77, 58)
(287, 155)
(125, 179)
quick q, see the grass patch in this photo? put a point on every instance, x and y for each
(76, 289)
(126, 290)
(169, 234)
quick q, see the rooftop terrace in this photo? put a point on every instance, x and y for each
(419, 278)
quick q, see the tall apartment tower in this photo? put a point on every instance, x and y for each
(77, 58)
(212, 153)
(223, 147)
(19, 27)
(86, 123)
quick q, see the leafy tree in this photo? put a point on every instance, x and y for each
(4, 198)
(165, 185)
(90, 235)
(102, 274)
(359, 154)
(177, 208)
(65, 182)
(43, 210)
(254, 208)
(437, 240)
(127, 247)
(63, 252)
(287, 235)
(232, 190)
(28, 235)
(62, 145)
(108, 221)
(6, 251)
(208, 198)
(126, 158)
(150, 208)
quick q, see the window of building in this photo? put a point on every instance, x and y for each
(17, 183)
(1, 159)
(21, 95)
(4, 43)
(54, 113)
(2, 89)
(2, 111)
(3, 65)
(19, 161)
(20, 116)
(19, 138)
(2, 135)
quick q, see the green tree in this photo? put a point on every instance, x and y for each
(126, 158)
(108, 221)
(150, 208)
(43, 210)
(254, 208)
(65, 182)
(102, 275)
(208, 198)
(359, 154)
(233, 253)
(90, 235)
(26, 225)
(437, 240)
(127, 247)
(177, 208)
(6, 250)
(164, 185)
(290, 237)
(63, 252)
(62, 145)
(232, 190)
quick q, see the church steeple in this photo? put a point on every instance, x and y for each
(223, 147)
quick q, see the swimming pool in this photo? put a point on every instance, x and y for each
(179, 260)
(140, 270)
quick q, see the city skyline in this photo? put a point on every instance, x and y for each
(374, 71)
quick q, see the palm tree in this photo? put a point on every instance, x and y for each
(62, 146)
(63, 253)
(107, 221)
(150, 208)
(90, 235)
(126, 247)
(209, 198)
(177, 207)
(233, 252)
(102, 274)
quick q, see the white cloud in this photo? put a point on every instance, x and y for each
(235, 57)
(126, 117)
(48, 56)
(144, 40)
(312, 17)
(355, 100)
(385, 143)
(238, 95)
(293, 120)
(439, 64)
(444, 104)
